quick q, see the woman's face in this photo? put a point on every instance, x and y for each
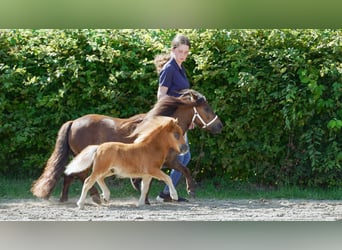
(181, 53)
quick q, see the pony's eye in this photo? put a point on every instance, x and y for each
(176, 135)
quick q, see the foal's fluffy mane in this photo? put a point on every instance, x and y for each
(151, 126)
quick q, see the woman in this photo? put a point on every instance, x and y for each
(173, 79)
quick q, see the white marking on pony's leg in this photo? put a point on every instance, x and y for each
(104, 188)
(88, 183)
(145, 184)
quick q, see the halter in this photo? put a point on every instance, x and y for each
(205, 125)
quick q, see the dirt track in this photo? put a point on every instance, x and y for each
(196, 210)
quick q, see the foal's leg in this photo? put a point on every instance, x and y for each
(68, 179)
(136, 183)
(95, 196)
(145, 186)
(160, 175)
(105, 190)
(88, 183)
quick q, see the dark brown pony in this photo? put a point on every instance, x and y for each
(142, 159)
(73, 136)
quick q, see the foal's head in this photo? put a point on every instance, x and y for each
(162, 129)
(174, 135)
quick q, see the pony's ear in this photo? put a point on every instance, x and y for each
(197, 98)
(200, 100)
(188, 98)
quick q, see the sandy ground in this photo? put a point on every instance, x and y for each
(195, 210)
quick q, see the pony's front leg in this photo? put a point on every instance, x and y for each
(145, 186)
(173, 163)
(88, 183)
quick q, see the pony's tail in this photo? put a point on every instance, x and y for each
(82, 161)
(55, 166)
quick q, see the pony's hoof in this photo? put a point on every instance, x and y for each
(192, 194)
(96, 199)
(62, 199)
(180, 199)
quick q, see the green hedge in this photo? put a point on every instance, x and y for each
(278, 93)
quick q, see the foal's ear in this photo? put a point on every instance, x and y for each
(172, 123)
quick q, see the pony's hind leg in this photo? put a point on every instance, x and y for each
(104, 188)
(67, 180)
(88, 183)
(145, 186)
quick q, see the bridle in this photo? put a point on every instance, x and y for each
(197, 115)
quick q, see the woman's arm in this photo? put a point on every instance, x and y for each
(162, 91)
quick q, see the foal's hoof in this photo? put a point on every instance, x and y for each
(96, 199)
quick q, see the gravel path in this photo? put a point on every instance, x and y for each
(196, 210)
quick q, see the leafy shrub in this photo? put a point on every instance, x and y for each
(278, 93)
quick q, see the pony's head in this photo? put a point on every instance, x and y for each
(203, 115)
(190, 108)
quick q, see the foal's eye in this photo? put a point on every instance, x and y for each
(176, 135)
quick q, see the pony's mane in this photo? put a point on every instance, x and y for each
(167, 105)
(150, 127)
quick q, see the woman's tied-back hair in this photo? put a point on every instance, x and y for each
(161, 59)
(180, 40)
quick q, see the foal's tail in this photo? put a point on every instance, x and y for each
(55, 166)
(82, 161)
